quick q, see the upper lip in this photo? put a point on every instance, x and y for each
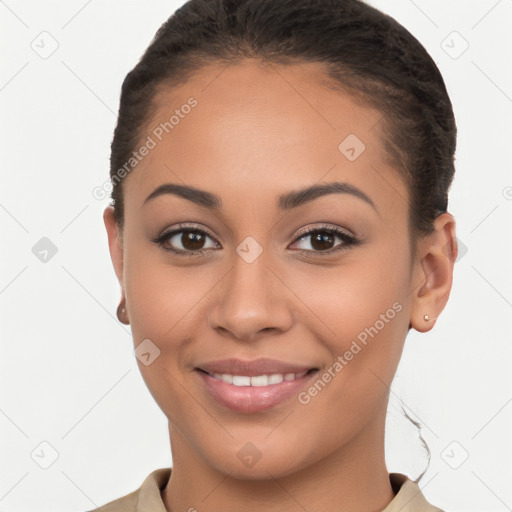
(263, 366)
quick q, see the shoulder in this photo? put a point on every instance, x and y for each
(408, 497)
(127, 503)
(147, 498)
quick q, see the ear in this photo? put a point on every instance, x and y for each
(433, 272)
(114, 243)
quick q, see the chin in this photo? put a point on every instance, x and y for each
(257, 460)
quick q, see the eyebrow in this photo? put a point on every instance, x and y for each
(286, 201)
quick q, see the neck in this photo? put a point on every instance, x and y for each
(353, 478)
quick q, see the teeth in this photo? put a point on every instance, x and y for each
(258, 380)
(275, 378)
(226, 378)
(241, 380)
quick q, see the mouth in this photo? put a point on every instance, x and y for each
(258, 380)
(252, 390)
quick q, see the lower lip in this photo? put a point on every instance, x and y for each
(251, 399)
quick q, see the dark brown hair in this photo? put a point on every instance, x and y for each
(365, 52)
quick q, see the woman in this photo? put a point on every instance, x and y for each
(279, 223)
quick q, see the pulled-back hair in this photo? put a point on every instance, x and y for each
(365, 52)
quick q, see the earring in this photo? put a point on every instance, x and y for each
(121, 312)
(426, 318)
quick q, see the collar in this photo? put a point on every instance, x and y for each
(148, 498)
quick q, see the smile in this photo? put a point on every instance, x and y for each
(258, 380)
(251, 394)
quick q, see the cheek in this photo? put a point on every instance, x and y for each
(166, 304)
(363, 317)
(162, 306)
(161, 298)
(370, 283)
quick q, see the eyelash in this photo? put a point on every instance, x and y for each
(347, 239)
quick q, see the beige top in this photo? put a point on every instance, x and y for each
(148, 498)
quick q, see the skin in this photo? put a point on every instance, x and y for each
(259, 131)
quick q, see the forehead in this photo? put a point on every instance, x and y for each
(258, 130)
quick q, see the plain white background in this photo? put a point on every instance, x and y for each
(71, 395)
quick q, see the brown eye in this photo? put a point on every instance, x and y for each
(323, 240)
(186, 241)
(192, 240)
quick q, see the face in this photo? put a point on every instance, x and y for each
(247, 281)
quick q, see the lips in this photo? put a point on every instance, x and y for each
(253, 386)
(263, 366)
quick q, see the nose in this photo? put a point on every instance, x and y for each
(252, 301)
